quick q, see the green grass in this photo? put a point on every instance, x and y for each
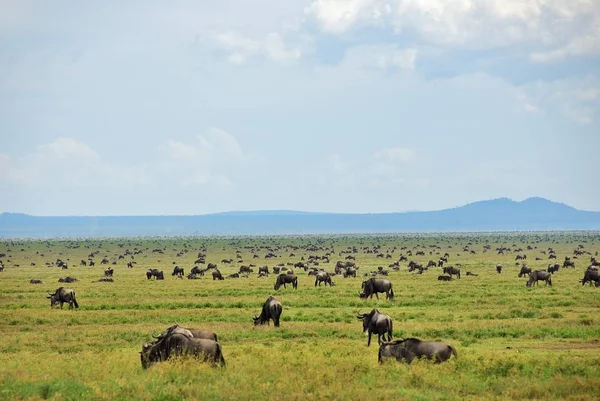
(513, 342)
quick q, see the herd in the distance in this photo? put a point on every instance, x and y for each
(176, 340)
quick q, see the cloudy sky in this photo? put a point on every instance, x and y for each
(192, 107)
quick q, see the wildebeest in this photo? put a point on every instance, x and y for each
(472, 274)
(568, 262)
(323, 277)
(376, 285)
(234, 275)
(198, 270)
(157, 274)
(552, 268)
(271, 310)
(499, 268)
(525, 271)
(177, 271)
(67, 280)
(174, 345)
(378, 323)
(104, 280)
(536, 275)
(62, 295)
(591, 274)
(350, 272)
(196, 333)
(216, 275)
(286, 279)
(452, 271)
(109, 272)
(263, 269)
(445, 278)
(35, 281)
(394, 350)
(193, 276)
(438, 351)
(245, 269)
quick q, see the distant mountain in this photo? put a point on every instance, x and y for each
(533, 214)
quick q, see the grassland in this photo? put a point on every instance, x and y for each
(513, 342)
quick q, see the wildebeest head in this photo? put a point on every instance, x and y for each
(53, 299)
(366, 318)
(147, 354)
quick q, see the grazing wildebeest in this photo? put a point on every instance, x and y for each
(83, 263)
(104, 280)
(197, 270)
(393, 350)
(193, 276)
(157, 274)
(196, 333)
(62, 295)
(591, 274)
(234, 275)
(376, 285)
(553, 268)
(129, 265)
(286, 279)
(211, 266)
(499, 268)
(271, 310)
(263, 269)
(177, 271)
(350, 272)
(34, 281)
(431, 263)
(109, 272)
(568, 262)
(174, 345)
(452, 271)
(445, 278)
(67, 280)
(472, 274)
(378, 323)
(217, 275)
(525, 271)
(245, 269)
(536, 275)
(438, 351)
(323, 277)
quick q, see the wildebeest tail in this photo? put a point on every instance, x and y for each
(75, 300)
(220, 358)
(453, 351)
(391, 293)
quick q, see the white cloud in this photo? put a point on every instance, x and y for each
(396, 155)
(241, 48)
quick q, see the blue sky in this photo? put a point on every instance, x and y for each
(192, 107)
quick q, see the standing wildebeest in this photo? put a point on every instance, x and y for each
(178, 271)
(175, 344)
(452, 271)
(552, 268)
(323, 277)
(437, 351)
(591, 274)
(62, 295)
(217, 275)
(271, 310)
(109, 272)
(378, 323)
(196, 333)
(286, 279)
(157, 274)
(499, 268)
(568, 262)
(263, 269)
(525, 271)
(197, 270)
(376, 285)
(536, 275)
(350, 272)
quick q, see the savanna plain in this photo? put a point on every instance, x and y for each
(513, 342)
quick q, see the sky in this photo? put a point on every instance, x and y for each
(194, 107)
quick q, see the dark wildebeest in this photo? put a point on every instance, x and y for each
(196, 333)
(591, 274)
(393, 350)
(271, 310)
(157, 274)
(499, 268)
(438, 351)
(234, 275)
(376, 285)
(378, 323)
(217, 275)
(245, 269)
(525, 271)
(431, 263)
(109, 272)
(568, 263)
(193, 276)
(104, 280)
(67, 280)
(34, 281)
(197, 270)
(175, 345)
(178, 271)
(350, 272)
(553, 268)
(62, 295)
(536, 275)
(211, 266)
(263, 269)
(452, 271)
(323, 277)
(286, 279)
(445, 278)
(472, 274)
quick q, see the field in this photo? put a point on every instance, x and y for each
(513, 342)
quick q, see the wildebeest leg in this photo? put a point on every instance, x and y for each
(369, 342)
(316, 281)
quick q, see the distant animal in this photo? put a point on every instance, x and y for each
(537, 275)
(67, 280)
(197, 270)
(350, 272)
(591, 274)
(525, 271)
(216, 275)
(196, 333)
(472, 274)
(452, 271)
(378, 323)
(34, 281)
(284, 279)
(568, 263)
(271, 310)
(157, 274)
(178, 271)
(129, 265)
(394, 350)
(62, 295)
(552, 268)
(445, 278)
(499, 268)
(109, 272)
(437, 351)
(373, 286)
(323, 277)
(104, 280)
(263, 269)
(176, 345)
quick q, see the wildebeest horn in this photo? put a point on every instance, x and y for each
(155, 336)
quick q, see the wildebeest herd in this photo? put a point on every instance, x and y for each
(177, 341)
